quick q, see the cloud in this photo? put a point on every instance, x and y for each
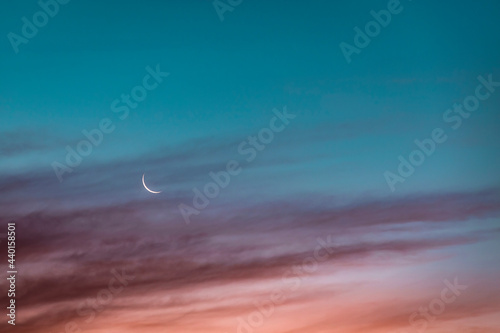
(67, 255)
(26, 141)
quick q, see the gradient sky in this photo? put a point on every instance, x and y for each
(321, 177)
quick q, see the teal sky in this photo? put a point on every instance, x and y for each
(226, 77)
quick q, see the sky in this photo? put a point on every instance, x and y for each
(313, 175)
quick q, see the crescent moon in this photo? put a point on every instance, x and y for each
(143, 183)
